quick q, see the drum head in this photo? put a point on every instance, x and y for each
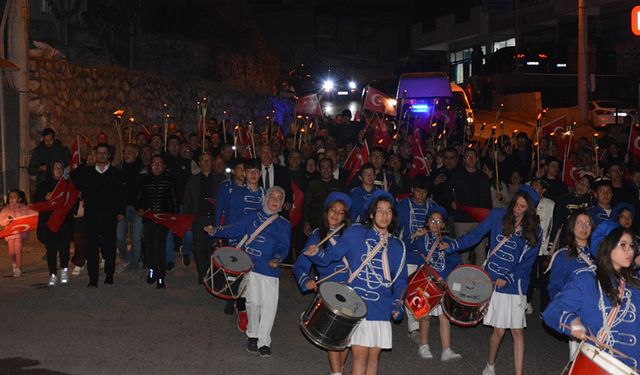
(233, 259)
(343, 300)
(469, 284)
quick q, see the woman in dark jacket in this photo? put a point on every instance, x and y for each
(157, 194)
(56, 242)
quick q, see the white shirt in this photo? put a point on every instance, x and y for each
(271, 172)
(336, 174)
(101, 171)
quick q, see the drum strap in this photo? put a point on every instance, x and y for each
(374, 251)
(495, 249)
(433, 248)
(608, 322)
(257, 231)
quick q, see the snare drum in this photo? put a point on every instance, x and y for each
(594, 361)
(467, 295)
(424, 292)
(225, 276)
(332, 316)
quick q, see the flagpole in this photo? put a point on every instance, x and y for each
(631, 129)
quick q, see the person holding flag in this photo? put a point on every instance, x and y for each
(16, 207)
(156, 193)
(56, 242)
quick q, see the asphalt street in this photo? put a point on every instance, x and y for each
(132, 328)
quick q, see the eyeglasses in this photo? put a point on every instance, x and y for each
(435, 221)
(583, 224)
(627, 246)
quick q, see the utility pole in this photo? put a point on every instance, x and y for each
(19, 54)
(583, 71)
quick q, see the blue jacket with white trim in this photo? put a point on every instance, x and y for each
(382, 296)
(512, 262)
(412, 217)
(242, 202)
(562, 267)
(598, 215)
(223, 197)
(359, 197)
(271, 243)
(582, 298)
(442, 262)
(303, 265)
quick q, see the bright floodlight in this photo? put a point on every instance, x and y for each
(327, 85)
(352, 85)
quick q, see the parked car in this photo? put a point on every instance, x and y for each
(611, 112)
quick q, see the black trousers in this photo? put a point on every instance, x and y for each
(101, 236)
(58, 243)
(155, 247)
(539, 280)
(202, 245)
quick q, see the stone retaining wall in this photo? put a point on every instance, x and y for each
(72, 98)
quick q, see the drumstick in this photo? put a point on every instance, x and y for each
(598, 343)
(330, 276)
(330, 235)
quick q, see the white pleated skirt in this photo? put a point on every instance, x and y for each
(506, 311)
(372, 334)
(437, 311)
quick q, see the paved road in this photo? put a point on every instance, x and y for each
(132, 328)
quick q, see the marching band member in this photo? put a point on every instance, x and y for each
(362, 194)
(412, 216)
(571, 257)
(336, 213)
(604, 300)
(442, 263)
(226, 189)
(514, 236)
(378, 274)
(241, 201)
(266, 240)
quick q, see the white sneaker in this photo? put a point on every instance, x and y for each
(489, 370)
(64, 276)
(425, 352)
(17, 272)
(53, 280)
(529, 309)
(449, 355)
(76, 270)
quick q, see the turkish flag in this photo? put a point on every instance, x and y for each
(634, 140)
(377, 101)
(76, 153)
(381, 137)
(58, 197)
(570, 174)
(309, 105)
(60, 211)
(295, 214)
(556, 130)
(362, 157)
(20, 224)
(477, 213)
(177, 223)
(419, 163)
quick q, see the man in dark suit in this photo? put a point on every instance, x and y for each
(339, 174)
(275, 175)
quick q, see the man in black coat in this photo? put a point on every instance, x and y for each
(47, 151)
(104, 207)
(199, 200)
(275, 175)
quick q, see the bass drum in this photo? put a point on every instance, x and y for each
(332, 316)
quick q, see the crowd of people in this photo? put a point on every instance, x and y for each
(574, 242)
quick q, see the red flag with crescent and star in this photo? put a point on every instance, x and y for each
(634, 141)
(57, 198)
(60, 211)
(377, 101)
(308, 105)
(177, 223)
(419, 163)
(295, 214)
(381, 137)
(362, 157)
(20, 224)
